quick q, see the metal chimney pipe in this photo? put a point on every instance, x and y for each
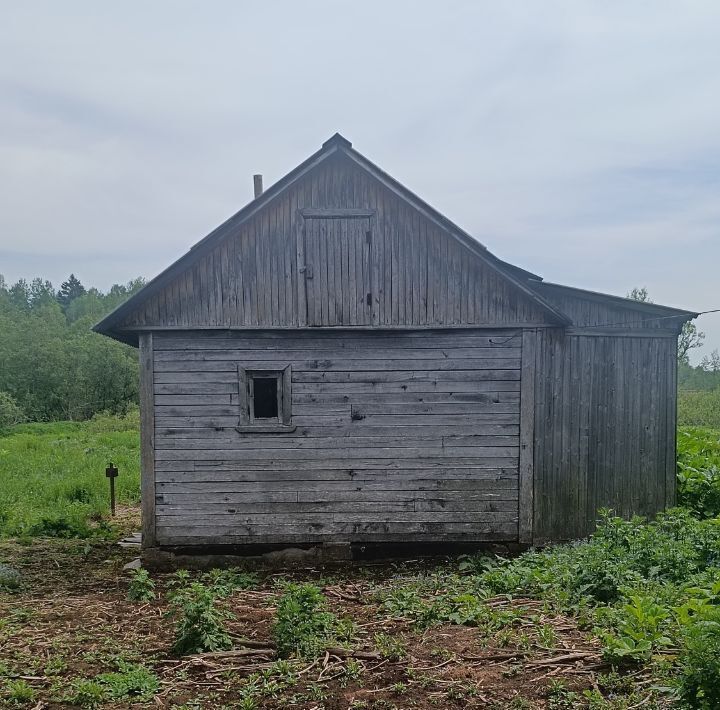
(257, 182)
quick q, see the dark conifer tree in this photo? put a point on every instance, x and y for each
(69, 291)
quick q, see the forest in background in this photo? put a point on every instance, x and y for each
(53, 367)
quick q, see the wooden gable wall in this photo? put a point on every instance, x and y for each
(420, 274)
(588, 310)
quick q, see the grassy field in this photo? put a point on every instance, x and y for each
(699, 408)
(52, 476)
(627, 619)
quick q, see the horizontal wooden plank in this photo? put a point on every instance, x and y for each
(189, 409)
(316, 340)
(212, 400)
(226, 360)
(401, 397)
(435, 464)
(167, 482)
(214, 394)
(352, 429)
(430, 386)
(470, 419)
(437, 371)
(397, 533)
(357, 440)
(374, 452)
(264, 463)
(239, 471)
(450, 373)
(194, 508)
(205, 493)
(236, 521)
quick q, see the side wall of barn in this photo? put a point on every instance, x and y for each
(605, 421)
(395, 436)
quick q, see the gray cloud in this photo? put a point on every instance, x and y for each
(578, 139)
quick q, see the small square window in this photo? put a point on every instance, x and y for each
(265, 399)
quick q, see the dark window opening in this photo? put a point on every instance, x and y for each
(264, 397)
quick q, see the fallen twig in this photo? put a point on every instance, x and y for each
(566, 657)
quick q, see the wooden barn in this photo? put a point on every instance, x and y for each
(339, 363)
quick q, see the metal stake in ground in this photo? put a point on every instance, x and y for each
(111, 472)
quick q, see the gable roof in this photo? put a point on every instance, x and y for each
(530, 285)
(514, 275)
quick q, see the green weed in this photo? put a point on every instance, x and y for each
(699, 678)
(699, 470)
(129, 681)
(86, 693)
(226, 581)
(141, 588)
(200, 622)
(302, 626)
(19, 691)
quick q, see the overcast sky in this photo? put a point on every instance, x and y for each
(578, 139)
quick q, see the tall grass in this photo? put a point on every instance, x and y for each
(699, 408)
(52, 476)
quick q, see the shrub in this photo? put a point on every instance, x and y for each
(640, 630)
(699, 471)
(302, 627)
(141, 587)
(10, 411)
(61, 526)
(201, 624)
(699, 680)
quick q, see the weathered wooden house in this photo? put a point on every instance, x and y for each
(338, 362)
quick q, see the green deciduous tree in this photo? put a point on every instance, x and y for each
(690, 337)
(51, 363)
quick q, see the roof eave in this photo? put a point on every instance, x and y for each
(112, 319)
(620, 301)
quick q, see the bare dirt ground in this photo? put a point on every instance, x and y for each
(73, 620)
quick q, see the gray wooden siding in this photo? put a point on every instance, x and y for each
(400, 436)
(590, 310)
(604, 430)
(419, 273)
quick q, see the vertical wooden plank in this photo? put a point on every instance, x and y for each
(527, 437)
(583, 395)
(348, 237)
(147, 440)
(287, 395)
(244, 417)
(335, 265)
(302, 309)
(366, 242)
(321, 234)
(275, 259)
(539, 487)
(670, 361)
(375, 287)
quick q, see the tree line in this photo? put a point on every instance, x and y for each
(52, 366)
